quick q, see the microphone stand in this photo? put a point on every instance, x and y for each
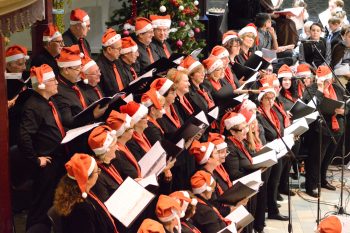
(340, 208)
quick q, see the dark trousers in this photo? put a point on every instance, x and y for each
(286, 166)
(272, 187)
(312, 167)
(259, 217)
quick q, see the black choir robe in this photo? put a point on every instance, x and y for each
(159, 49)
(69, 40)
(46, 58)
(90, 95)
(135, 149)
(218, 94)
(197, 101)
(143, 59)
(124, 166)
(153, 133)
(105, 185)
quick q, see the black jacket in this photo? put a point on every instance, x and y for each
(143, 59)
(46, 58)
(159, 49)
(69, 40)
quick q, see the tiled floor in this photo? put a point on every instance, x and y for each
(304, 207)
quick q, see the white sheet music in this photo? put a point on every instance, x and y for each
(297, 128)
(149, 180)
(73, 133)
(201, 116)
(214, 113)
(253, 180)
(154, 161)
(240, 216)
(264, 160)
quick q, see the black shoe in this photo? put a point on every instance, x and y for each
(279, 197)
(328, 186)
(285, 192)
(278, 217)
(312, 193)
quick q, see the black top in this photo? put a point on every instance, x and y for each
(46, 58)
(69, 40)
(143, 59)
(39, 134)
(153, 133)
(124, 166)
(89, 93)
(135, 149)
(159, 49)
(311, 55)
(197, 100)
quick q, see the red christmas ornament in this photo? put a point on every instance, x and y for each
(197, 30)
(179, 43)
(182, 24)
(126, 33)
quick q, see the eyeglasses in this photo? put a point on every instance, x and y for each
(75, 69)
(91, 74)
(116, 48)
(61, 42)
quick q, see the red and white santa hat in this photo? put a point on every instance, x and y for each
(249, 115)
(101, 138)
(162, 85)
(150, 226)
(269, 80)
(248, 104)
(189, 63)
(70, 56)
(160, 21)
(51, 32)
(119, 122)
(142, 25)
(250, 28)
(201, 151)
(79, 16)
(285, 72)
(303, 70)
(232, 119)
(16, 52)
(87, 63)
(323, 73)
(39, 75)
(212, 63)
(229, 35)
(79, 168)
(128, 45)
(331, 224)
(135, 110)
(264, 90)
(184, 199)
(151, 97)
(219, 52)
(167, 209)
(110, 37)
(218, 140)
(201, 181)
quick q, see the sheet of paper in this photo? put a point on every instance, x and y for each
(240, 216)
(342, 69)
(154, 161)
(201, 116)
(181, 143)
(149, 180)
(253, 180)
(214, 113)
(230, 228)
(297, 128)
(73, 133)
(265, 160)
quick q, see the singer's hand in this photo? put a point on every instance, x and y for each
(271, 30)
(339, 111)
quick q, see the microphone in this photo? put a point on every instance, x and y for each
(309, 41)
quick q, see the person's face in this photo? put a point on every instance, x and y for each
(333, 26)
(131, 57)
(198, 76)
(225, 61)
(170, 98)
(307, 30)
(308, 81)
(218, 73)
(248, 40)
(268, 23)
(84, 30)
(315, 32)
(93, 74)
(142, 123)
(241, 131)
(17, 66)
(161, 33)
(277, 88)
(347, 39)
(183, 85)
(222, 155)
(55, 46)
(286, 83)
(92, 178)
(235, 48)
(214, 158)
(114, 50)
(146, 37)
(110, 154)
(268, 100)
(73, 73)
(128, 133)
(51, 87)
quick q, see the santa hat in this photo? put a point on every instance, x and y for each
(162, 85)
(264, 90)
(128, 45)
(248, 104)
(142, 25)
(87, 63)
(110, 37)
(285, 72)
(78, 16)
(218, 140)
(167, 209)
(201, 151)
(201, 181)
(135, 110)
(160, 21)
(39, 75)
(323, 73)
(248, 115)
(16, 52)
(119, 122)
(189, 63)
(331, 224)
(229, 35)
(249, 28)
(212, 63)
(150, 226)
(79, 168)
(151, 97)
(100, 139)
(303, 70)
(219, 52)
(269, 80)
(184, 199)
(51, 33)
(231, 119)
(70, 56)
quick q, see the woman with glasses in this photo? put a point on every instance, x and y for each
(248, 35)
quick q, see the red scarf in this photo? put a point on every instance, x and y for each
(226, 221)
(332, 95)
(288, 95)
(205, 95)
(301, 89)
(274, 119)
(194, 230)
(216, 84)
(224, 175)
(241, 147)
(172, 115)
(285, 116)
(112, 172)
(142, 141)
(186, 105)
(155, 123)
(230, 78)
(92, 195)
(131, 158)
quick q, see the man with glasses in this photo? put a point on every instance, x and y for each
(112, 79)
(53, 44)
(144, 34)
(77, 32)
(161, 25)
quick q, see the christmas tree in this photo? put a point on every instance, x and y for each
(185, 28)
